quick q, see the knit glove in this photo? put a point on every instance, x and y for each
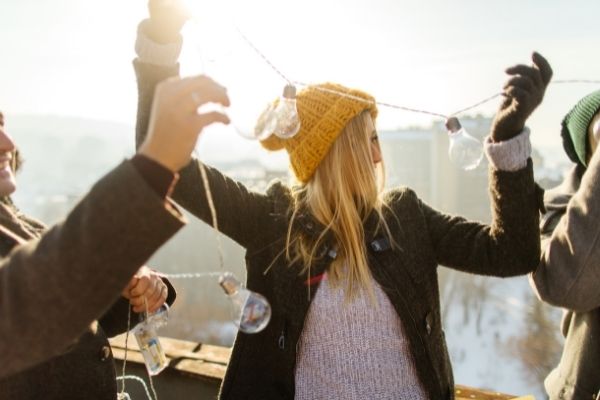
(167, 17)
(522, 93)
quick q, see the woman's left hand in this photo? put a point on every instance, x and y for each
(523, 92)
(146, 284)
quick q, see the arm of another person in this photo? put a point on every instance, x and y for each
(241, 213)
(51, 289)
(511, 244)
(568, 274)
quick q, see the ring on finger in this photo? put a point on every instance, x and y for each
(196, 98)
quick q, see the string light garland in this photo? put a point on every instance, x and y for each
(464, 150)
(390, 105)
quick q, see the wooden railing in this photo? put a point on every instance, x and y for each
(196, 371)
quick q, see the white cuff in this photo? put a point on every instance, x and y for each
(150, 52)
(509, 155)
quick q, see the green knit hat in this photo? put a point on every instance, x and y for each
(575, 127)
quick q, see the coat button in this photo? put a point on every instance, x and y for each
(104, 353)
(428, 323)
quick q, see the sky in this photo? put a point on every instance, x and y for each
(73, 57)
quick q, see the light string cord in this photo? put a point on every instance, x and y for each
(559, 81)
(261, 55)
(126, 348)
(384, 104)
(138, 379)
(148, 372)
(191, 275)
(213, 214)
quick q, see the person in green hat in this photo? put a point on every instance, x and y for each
(569, 271)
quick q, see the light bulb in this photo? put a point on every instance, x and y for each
(123, 396)
(287, 122)
(265, 125)
(465, 151)
(148, 341)
(251, 311)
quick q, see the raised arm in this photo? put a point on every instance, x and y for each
(510, 245)
(241, 213)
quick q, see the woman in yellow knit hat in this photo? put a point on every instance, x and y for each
(351, 271)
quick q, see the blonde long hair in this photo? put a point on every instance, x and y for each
(345, 189)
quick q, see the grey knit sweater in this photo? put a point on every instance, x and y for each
(354, 350)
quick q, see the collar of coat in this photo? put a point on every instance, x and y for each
(557, 199)
(306, 224)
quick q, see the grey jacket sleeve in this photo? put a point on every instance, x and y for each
(568, 274)
(52, 288)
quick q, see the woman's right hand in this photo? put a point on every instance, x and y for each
(175, 123)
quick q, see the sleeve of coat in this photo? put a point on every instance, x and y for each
(568, 274)
(52, 288)
(509, 246)
(114, 321)
(241, 213)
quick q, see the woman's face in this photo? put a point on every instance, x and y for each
(593, 135)
(373, 139)
(7, 148)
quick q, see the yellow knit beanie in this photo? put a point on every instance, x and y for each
(324, 110)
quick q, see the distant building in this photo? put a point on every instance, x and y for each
(418, 158)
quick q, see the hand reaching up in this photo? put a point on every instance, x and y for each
(523, 92)
(175, 123)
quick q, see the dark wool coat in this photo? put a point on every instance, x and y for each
(569, 276)
(53, 285)
(262, 365)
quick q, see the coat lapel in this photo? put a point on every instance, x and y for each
(12, 232)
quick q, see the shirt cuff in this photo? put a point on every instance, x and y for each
(151, 52)
(158, 177)
(509, 155)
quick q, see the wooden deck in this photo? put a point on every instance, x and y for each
(197, 370)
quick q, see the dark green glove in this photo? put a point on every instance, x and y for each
(523, 92)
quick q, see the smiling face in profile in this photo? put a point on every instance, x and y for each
(7, 148)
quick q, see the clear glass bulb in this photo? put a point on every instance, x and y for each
(287, 122)
(251, 311)
(147, 338)
(123, 396)
(265, 125)
(465, 151)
